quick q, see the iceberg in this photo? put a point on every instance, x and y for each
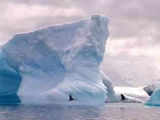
(154, 100)
(149, 89)
(54, 64)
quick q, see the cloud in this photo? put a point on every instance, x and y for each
(133, 24)
(21, 17)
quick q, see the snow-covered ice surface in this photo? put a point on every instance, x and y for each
(133, 93)
(58, 61)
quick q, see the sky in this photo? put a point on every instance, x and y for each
(134, 24)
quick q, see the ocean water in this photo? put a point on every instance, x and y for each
(116, 111)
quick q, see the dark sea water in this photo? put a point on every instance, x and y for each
(116, 111)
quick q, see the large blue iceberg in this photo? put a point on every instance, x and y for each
(51, 64)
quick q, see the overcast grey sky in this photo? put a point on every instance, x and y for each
(134, 24)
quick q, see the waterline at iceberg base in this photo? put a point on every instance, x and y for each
(51, 64)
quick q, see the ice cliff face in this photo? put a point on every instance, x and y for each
(50, 64)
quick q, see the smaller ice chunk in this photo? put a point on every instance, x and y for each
(155, 98)
(116, 96)
(130, 99)
(150, 88)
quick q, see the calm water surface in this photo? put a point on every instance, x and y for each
(117, 111)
